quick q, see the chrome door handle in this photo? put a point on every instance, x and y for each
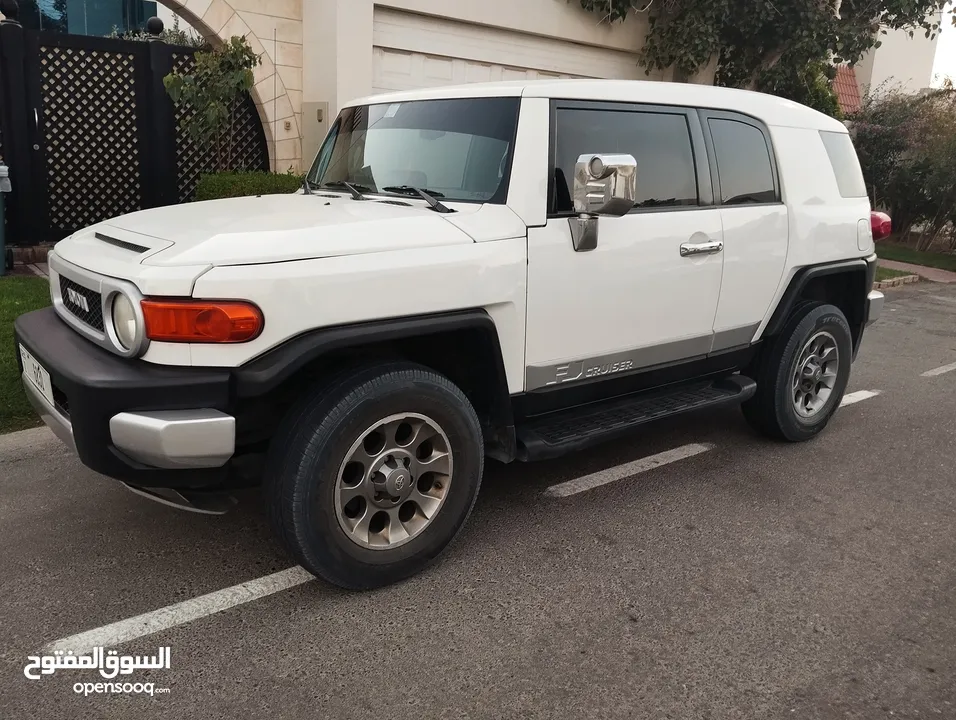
(705, 248)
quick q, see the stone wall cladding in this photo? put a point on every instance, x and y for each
(273, 29)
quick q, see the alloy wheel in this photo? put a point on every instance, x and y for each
(394, 481)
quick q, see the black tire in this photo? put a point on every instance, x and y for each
(311, 445)
(771, 410)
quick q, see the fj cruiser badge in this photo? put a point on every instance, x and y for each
(577, 370)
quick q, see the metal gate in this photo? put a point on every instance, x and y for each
(89, 132)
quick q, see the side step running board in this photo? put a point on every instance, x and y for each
(572, 430)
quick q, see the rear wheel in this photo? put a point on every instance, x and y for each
(371, 478)
(802, 375)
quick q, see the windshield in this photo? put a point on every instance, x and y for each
(459, 150)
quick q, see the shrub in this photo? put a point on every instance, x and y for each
(210, 93)
(907, 148)
(171, 36)
(243, 184)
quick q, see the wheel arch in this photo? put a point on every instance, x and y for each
(844, 284)
(462, 345)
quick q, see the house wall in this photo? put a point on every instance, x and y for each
(902, 62)
(170, 18)
(338, 35)
(338, 38)
(333, 40)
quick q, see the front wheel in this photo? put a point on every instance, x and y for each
(371, 478)
(802, 375)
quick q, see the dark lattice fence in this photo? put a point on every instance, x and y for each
(90, 133)
(247, 150)
(6, 223)
(91, 138)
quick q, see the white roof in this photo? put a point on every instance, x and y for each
(771, 109)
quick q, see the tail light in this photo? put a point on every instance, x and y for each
(199, 321)
(881, 224)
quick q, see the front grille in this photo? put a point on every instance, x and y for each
(74, 294)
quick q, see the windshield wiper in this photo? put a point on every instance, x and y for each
(412, 190)
(429, 196)
(355, 190)
(307, 186)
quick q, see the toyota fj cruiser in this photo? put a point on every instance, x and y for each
(512, 270)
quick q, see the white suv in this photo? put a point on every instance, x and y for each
(511, 270)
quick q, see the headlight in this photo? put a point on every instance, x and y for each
(124, 321)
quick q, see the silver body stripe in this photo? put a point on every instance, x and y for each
(734, 337)
(540, 376)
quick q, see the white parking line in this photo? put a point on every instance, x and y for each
(857, 396)
(180, 613)
(939, 370)
(214, 602)
(603, 477)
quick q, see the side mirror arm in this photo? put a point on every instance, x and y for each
(584, 232)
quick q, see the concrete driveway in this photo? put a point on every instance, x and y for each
(745, 579)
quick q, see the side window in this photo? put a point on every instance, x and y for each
(743, 163)
(846, 165)
(659, 141)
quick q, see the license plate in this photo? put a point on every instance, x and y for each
(37, 374)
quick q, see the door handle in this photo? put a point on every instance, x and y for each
(704, 248)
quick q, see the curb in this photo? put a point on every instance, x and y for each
(895, 282)
(30, 254)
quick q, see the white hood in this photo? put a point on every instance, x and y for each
(278, 228)
(165, 249)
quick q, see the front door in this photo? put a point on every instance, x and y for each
(647, 294)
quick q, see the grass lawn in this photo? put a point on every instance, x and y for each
(883, 273)
(901, 253)
(17, 296)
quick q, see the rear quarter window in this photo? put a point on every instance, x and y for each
(845, 164)
(743, 163)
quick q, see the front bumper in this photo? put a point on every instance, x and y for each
(874, 306)
(143, 424)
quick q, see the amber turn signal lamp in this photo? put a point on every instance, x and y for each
(199, 321)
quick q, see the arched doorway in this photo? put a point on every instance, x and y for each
(279, 107)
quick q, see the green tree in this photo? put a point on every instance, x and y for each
(211, 91)
(809, 86)
(750, 40)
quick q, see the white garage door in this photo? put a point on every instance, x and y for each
(413, 51)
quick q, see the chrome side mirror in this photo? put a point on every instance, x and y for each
(603, 185)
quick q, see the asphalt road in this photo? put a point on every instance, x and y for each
(754, 580)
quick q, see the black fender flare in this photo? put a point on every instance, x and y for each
(865, 266)
(266, 372)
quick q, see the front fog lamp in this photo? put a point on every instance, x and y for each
(124, 321)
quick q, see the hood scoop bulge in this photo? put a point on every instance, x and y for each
(116, 242)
